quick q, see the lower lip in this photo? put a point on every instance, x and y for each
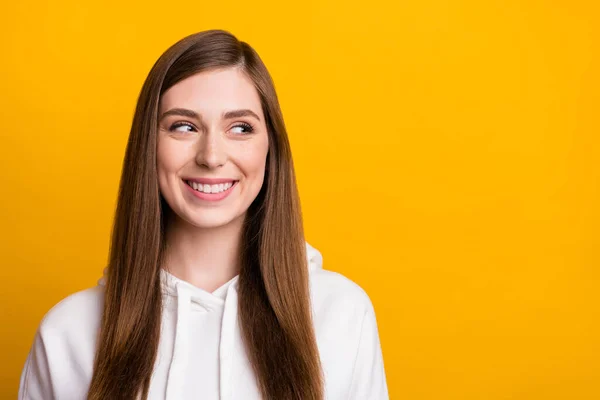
(211, 196)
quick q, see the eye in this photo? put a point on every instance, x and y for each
(182, 127)
(248, 128)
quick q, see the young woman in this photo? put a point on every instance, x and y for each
(211, 291)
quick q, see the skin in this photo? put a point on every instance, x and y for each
(203, 237)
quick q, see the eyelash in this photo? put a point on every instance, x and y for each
(249, 128)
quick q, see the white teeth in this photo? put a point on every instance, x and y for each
(221, 187)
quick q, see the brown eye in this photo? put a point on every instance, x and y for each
(182, 127)
(245, 129)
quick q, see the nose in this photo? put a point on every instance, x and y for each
(211, 150)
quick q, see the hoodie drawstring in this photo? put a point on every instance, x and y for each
(226, 349)
(180, 353)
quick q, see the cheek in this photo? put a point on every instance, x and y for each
(253, 159)
(170, 156)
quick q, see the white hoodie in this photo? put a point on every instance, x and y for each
(201, 354)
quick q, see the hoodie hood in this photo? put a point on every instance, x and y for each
(313, 257)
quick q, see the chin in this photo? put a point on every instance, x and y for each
(211, 219)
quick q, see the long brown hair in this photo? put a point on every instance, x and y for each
(274, 306)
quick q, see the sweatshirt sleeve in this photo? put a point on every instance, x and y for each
(368, 379)
(36, 381)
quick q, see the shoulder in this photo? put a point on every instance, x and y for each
(334, 290)
(60, 361)
(80, 310)
(346, 332)
(69, 330)
(339, 304)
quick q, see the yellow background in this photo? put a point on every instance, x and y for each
(447, 154)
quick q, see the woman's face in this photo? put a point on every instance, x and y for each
(212, 134)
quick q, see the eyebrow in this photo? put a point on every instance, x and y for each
(184, 112)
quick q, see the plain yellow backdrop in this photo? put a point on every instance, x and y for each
(447, 154)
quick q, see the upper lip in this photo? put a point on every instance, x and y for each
(209, 181)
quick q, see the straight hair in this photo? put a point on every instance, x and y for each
(274, 303)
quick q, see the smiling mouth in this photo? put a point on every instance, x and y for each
(205, 188)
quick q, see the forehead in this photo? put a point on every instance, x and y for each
(213, 90)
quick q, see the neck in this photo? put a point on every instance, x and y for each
(205, 257)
